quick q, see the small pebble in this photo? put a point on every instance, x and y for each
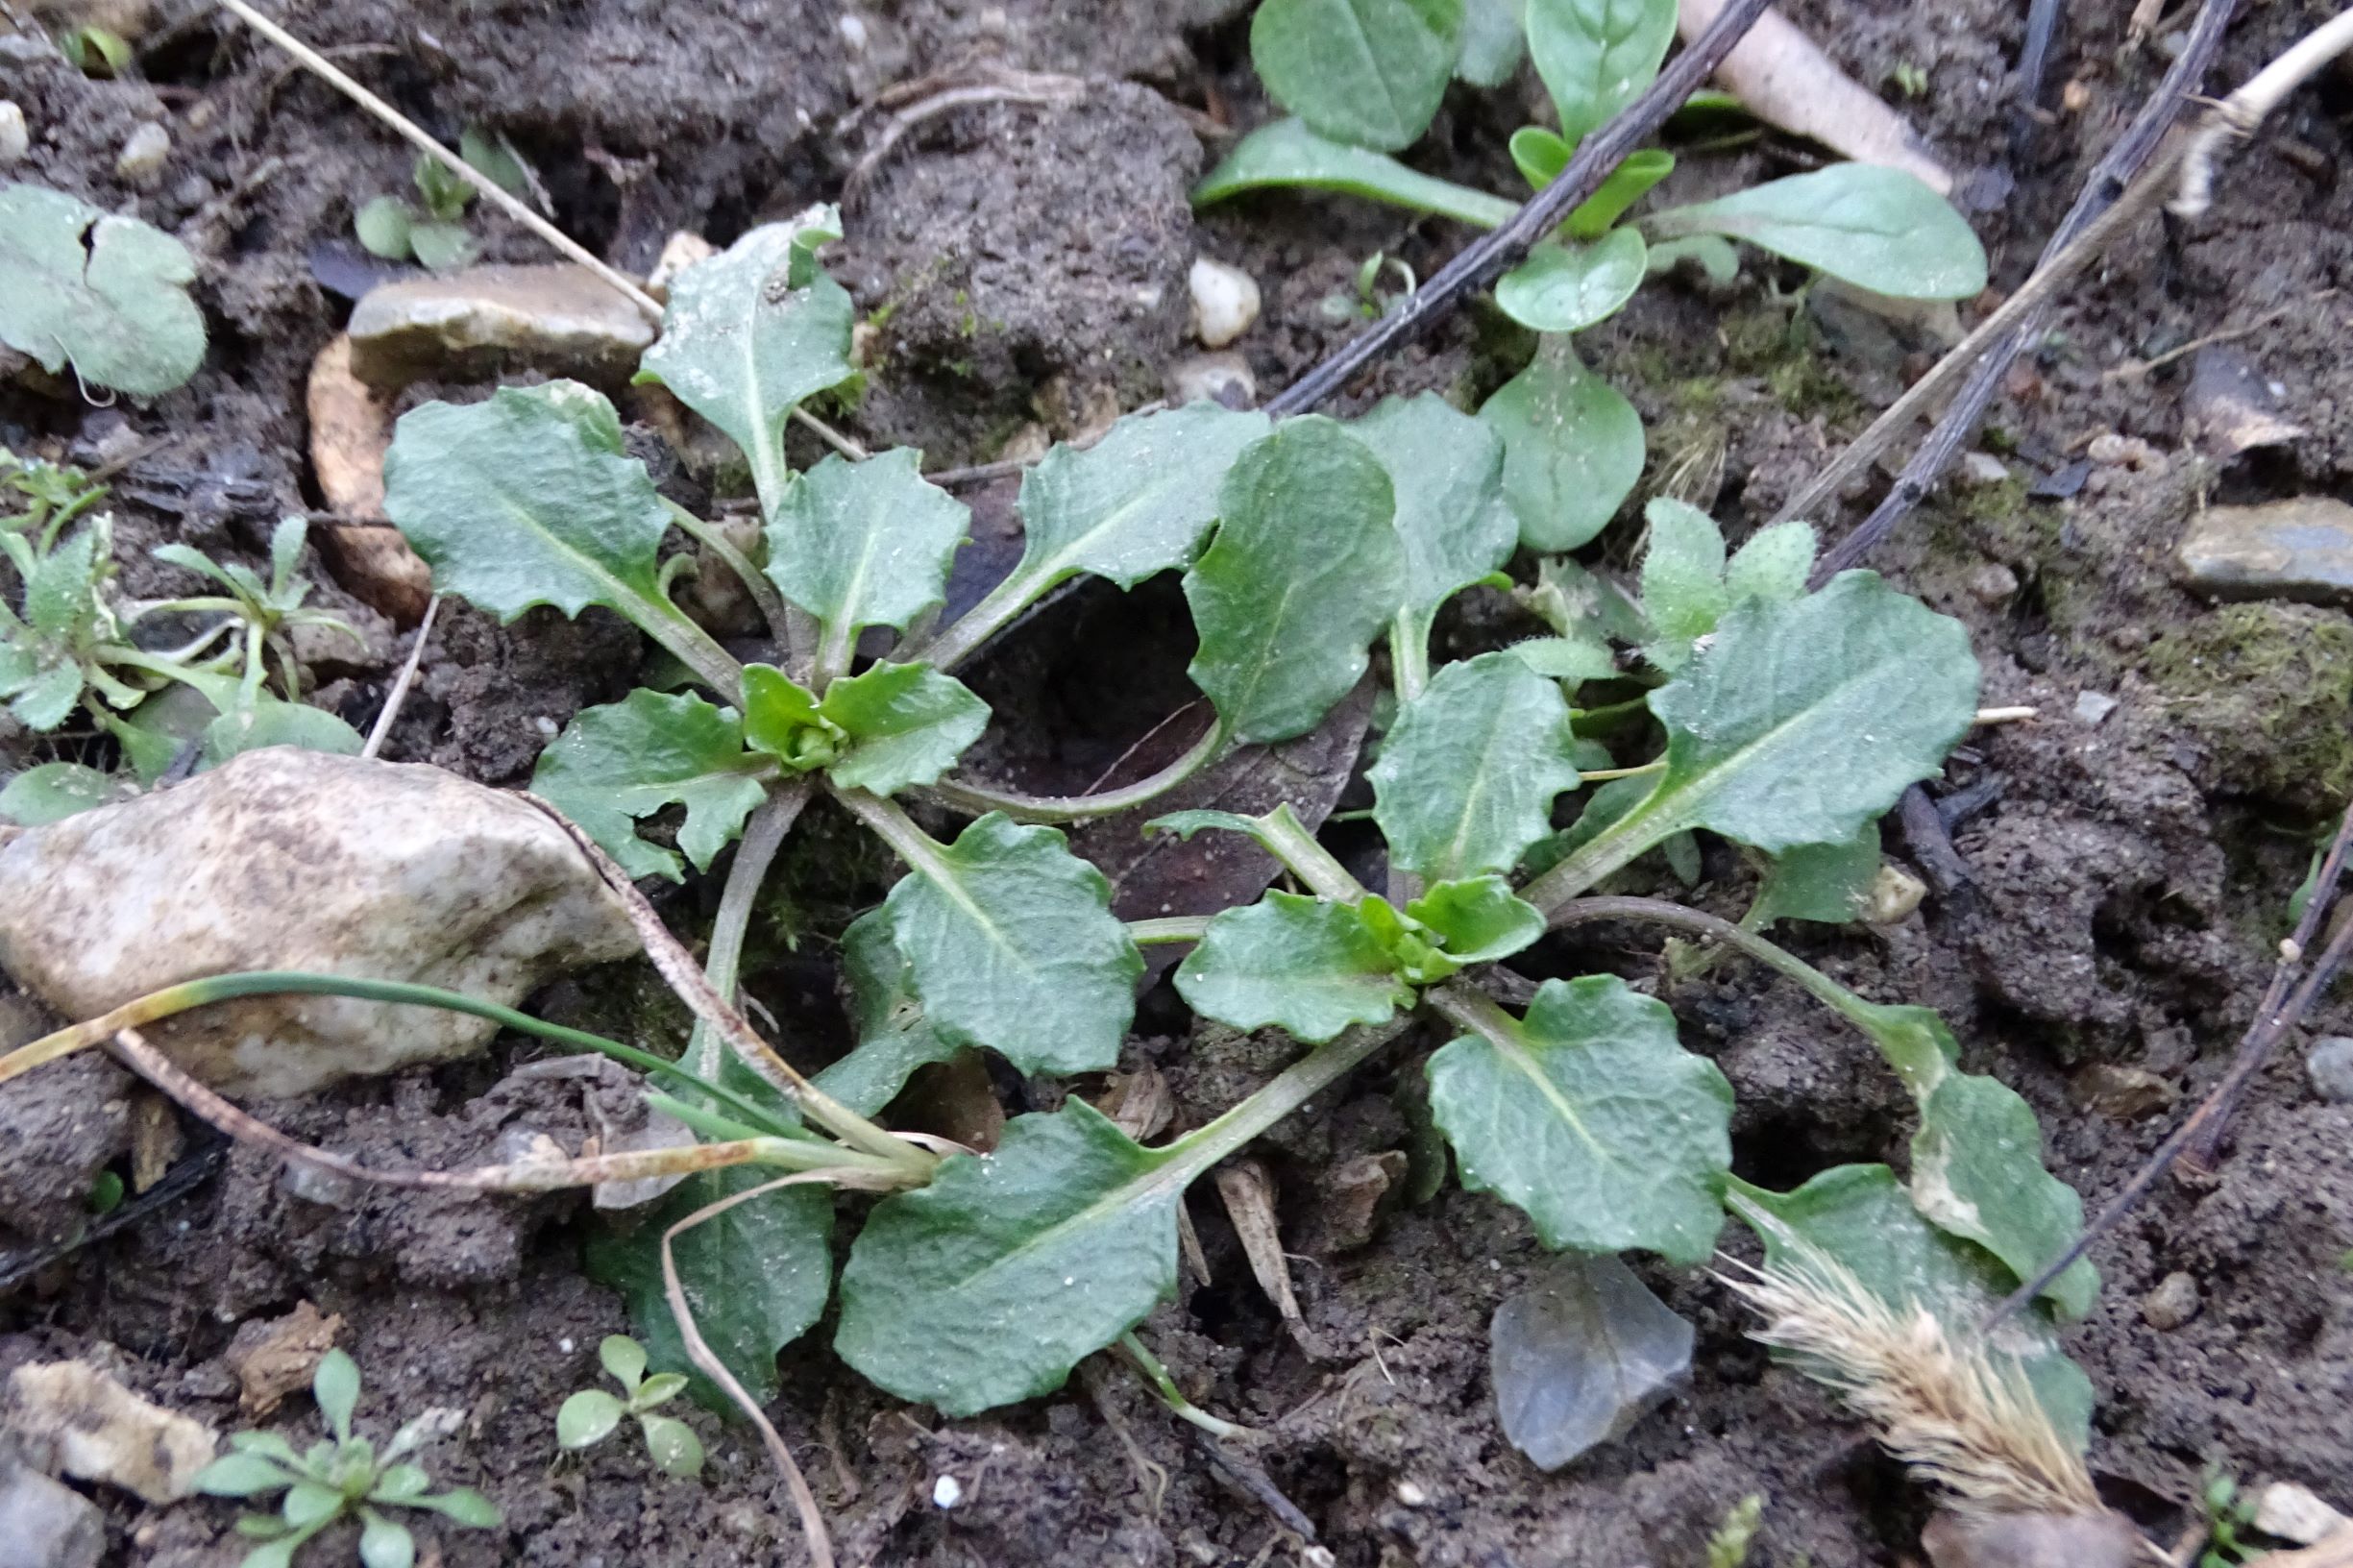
(143, 152)
(15, 139)
(2124, 1092)
(1411, 1494)
(2173, 1303)
(2331, 1067)
(2091, 707)
(1993, 584)
(1221, 379)
(2113, 450)
(1225, 302)
(1894, 894)
(1979, 468)
(946, 1492)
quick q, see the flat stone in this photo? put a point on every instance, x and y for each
(2294, 1513)
(45, 1525)
(2124, 1092)
(2091, 707)
(296, 860)
(2173, 1303)
(480, 322)
(2299, 549)
(2330, 1067)
(100, 1430)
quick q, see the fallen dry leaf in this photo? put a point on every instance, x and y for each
(277, 1359)
(350, 428)
(1783, 77)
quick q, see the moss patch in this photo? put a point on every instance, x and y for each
(2267, 689)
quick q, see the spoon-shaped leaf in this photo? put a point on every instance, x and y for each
(1467, 776)
(1597, 56)
(1591, 1119)
(1573, 449)
(1876, 227)
(1367, 72)
(862, 545)
(1563, 289)
(1287, 153)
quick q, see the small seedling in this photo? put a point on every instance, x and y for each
(1367, 302)
(1909, 78)
(1574, 446)
(389, 227)
(95, 51)
(592, 1415)
(342, 1478)
(2228, 1517)
(1728, 1547)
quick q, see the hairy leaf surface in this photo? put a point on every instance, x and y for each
(1877, 228)
(1573, 449)
(1307, 966)
(629, 759)
(1467, 776)
(864, 544)
(108, 294)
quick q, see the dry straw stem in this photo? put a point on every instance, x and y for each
(318, 65)
(2193, 156)
(1960, 1421)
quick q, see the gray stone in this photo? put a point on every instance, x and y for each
(2032, 1540)
(2331, 1070)
(297, 860)
(2173, 1303)
(1982, 468)
(2091, 707)
(15, 139)
(1581, 1356)
(480, 322)
(141, 160)
(2299, 549)
(1221, 379)
(46, 1524)
(1993, 584)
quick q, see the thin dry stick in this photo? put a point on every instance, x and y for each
(2114, 171)
(399, 695)
(698, 1351)
(2193, 156)
(2279, 1013)
(131, 1048)
(318, 65)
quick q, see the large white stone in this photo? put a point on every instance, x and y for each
(297, 860)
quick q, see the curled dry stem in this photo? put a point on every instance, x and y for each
(699, 1352)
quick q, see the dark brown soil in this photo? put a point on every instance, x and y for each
(2128, 880)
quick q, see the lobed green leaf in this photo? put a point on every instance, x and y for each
(894, 1038)
(1012, 944)
(988, 1285)
(1445, 471)
(1308, 967)
(1469, 772)
(906, 725)
(864, 544)
(1478, 920)
(1591, 1119)
(1977, 1173)
(1136, 502)
(629, 759)
(106, 293)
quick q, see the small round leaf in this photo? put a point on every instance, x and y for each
(384, 226)
(624, 1358)
(336, 1385)
(588, 1417)
(659, 1389)
(383, 1544)
(675, 1448)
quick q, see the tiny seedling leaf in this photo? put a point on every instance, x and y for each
(1624, 185)
(1773, 564)
(462, 1505)
(441, 246)
(1287, 154)
(893, 1036)
(109, 294)
(1445, 471)
(385, 1543)
(529, 498)
(1977, 1173)
(1306, 965)
(383, 225)
(744, 342)
(588, 1417)
(1573, 449)
(1478, 920)
(1878, 229)
(1469, 774)
(1591, 1119)
(673, 1446)
(1597, 56)
(629, 759)
(624, 1358)
(1367, 72)
(906, 725)
(864, 544)
(1136, 502)
(756, 1276)
(1304, 572)
(1565, 289)
(1684, 595)
(336, 1384)
(1012, 944)
(1859, 1217)
(988, 1285)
